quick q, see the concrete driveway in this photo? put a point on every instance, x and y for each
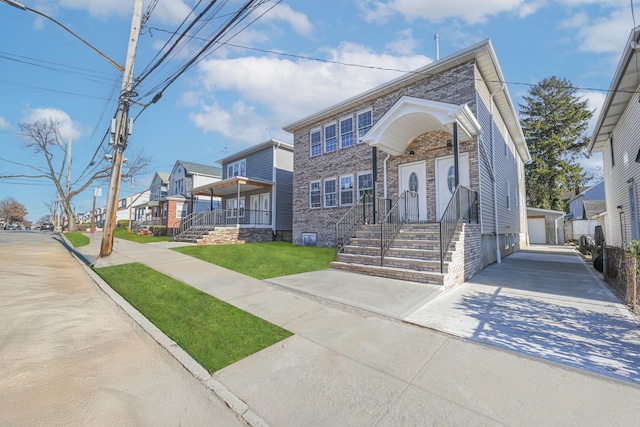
(543, 301)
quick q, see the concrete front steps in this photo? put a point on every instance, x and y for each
(414, 255)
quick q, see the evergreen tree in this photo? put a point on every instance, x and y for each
(554, 120)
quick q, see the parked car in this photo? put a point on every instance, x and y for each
(46, 226)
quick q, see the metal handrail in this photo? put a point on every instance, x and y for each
(463, 207)
(140, 224)
(404, 210)
(361, 213)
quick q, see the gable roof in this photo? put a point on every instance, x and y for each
(164, 177)
(594, 207)
(484, 56)
(199, 169)
(622, 90)
(254, 149)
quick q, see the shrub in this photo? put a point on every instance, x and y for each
(158, 230)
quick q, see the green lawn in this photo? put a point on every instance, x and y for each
(213, 332)
(122, 233)
(263, 260)
(77, 239)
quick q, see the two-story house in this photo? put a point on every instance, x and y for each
(421, 178)
(617, 136)
(256, 197)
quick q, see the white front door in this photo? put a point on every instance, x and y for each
(445, 180)
(266, 212)
(255, 209)
(413, 177)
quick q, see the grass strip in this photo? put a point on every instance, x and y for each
(77, 239)
(214, 333)
(122, 233)
(263, 260)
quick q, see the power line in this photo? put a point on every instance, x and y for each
(376, 67)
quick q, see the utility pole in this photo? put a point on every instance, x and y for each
(121, 133)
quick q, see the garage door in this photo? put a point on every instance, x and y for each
(537, 230)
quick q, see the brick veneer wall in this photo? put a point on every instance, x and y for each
(455, 86)
(466, 259)
(233, 235)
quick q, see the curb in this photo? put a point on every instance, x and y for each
(237, 405)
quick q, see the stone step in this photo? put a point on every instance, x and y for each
(403, 263)
(435, 278)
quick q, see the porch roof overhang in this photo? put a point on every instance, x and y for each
(229, 186)
(411, 117)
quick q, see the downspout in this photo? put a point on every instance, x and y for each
(495, 184)
(273, 189)
(384, 166)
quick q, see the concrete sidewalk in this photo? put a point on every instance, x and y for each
(355, 367)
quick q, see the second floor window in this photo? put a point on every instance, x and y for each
(365, 121)
(346, 132)
(238, 168)
(330, 138)
(316, 142)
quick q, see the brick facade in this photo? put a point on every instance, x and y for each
(454, 86)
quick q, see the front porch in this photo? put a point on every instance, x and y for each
(234, 223)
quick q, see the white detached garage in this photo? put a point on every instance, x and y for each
(546, 227)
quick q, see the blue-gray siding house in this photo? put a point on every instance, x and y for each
(256, 192)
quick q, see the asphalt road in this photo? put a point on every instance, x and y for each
(69, 356)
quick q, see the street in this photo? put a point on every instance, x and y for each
(69, 356)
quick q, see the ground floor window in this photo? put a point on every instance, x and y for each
(233, 209)
(346, 190)
(330, 193)
(315, 195)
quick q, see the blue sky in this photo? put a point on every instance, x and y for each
(242, 95)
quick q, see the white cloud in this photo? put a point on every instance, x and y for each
(472, 12)
(67, 127)
(604, 34)
(404, 44)
(283, 12)
(4, 124)
(288, 90)
(242, 123)
(595, 100)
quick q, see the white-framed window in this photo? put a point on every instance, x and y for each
(346, 190)
(315, 195)
(315, 139)
(330, 138)
(238, 168)
(516, 196)
(164, 210)
(181, 210)
(365, 186)
(233, 209)
(508, 195)
(330, 193)
(506, 241)
(346, 132)
(365, 121)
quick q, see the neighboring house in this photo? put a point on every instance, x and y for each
(130, 206)
(401, 142)
(256, 193)
(616, 136)
(180, 201)
(158, 190)
(584, 211)
(545, 226)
